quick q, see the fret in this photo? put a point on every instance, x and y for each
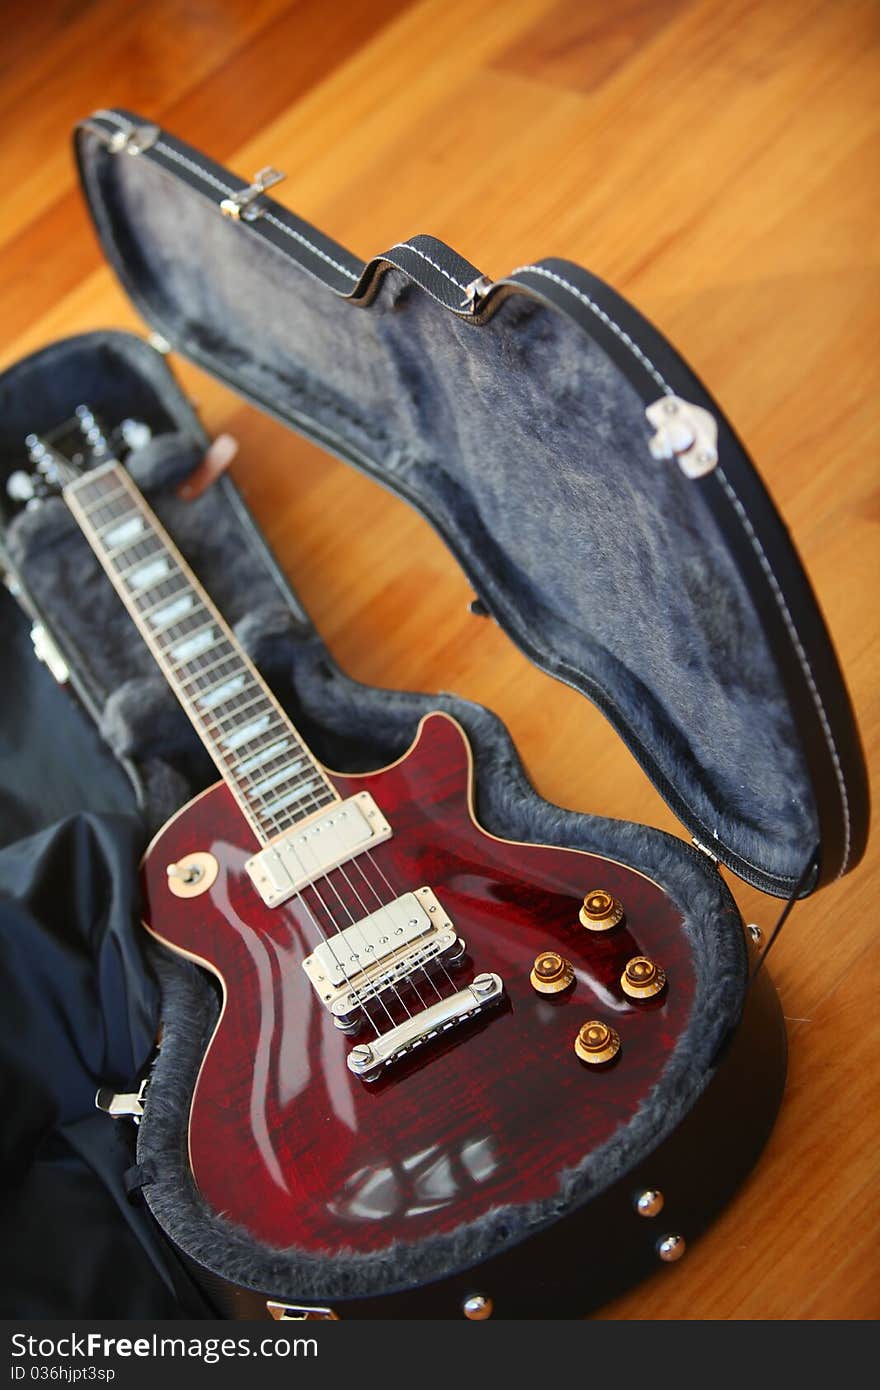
(258, 760)
(218, 720)
(257, 749)
(169, 610)
(204, 670)
(193, 644)
(290, 797)
(247, 733)
(140, 577)
(221, 694)
(121, 528)
(276, 779)
(146, 598)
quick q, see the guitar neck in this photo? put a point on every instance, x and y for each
(257, 749)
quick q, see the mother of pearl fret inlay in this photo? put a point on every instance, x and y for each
(193, 646)
(169, 612)
(145, 576)
(236, 716)
(246, 734)
(121, 535)
(222, 693)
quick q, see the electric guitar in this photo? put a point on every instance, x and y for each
(421, 1021)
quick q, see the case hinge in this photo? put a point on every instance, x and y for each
(698, 844)
(243, 205)
(685, 432)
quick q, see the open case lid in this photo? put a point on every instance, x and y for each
(599, 502)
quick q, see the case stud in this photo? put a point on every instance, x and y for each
(650, 1202)
(671, 1248)
(597, 1043)
(243, 206)
(551, 973)
(477, 1308)
(600, 911)
(642, 978)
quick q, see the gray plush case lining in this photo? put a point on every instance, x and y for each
(144, 726)
(615, 582)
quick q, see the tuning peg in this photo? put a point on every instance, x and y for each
(20, 486)
(135, 433)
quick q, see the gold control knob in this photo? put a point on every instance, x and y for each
(551, 973)
(642, 978)
(601, 911)
(597, 1043)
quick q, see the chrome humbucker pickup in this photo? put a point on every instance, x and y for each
(316, 847)
(379, 951)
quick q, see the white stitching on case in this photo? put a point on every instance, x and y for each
(322, 255)
(196, 168)
(405, 246)
(606, 319)
(753, 538)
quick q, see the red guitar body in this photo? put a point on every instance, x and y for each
(288, 1143)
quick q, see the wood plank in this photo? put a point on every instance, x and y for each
(718, 164)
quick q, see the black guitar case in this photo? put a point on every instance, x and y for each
(528, 419)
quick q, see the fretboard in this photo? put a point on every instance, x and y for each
(259, 753)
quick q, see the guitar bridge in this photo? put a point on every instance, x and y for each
(367, 1059)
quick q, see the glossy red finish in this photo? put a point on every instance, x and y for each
(286, 1142)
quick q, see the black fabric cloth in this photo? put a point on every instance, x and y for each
(79, 1010)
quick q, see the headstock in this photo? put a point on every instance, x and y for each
(69, 450)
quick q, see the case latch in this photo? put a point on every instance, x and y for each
(299, 1312)
(685, 432)
(130, 139)
(243, 205)
(46, 651)
(127, 1105)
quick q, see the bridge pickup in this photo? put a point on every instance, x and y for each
(379, 951)
(316, 846)
(367, 1059)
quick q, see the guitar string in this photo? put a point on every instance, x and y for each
(88, 517)
(99, 517)
(314, 797)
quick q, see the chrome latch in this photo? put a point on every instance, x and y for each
(685, 432)
(128, 1105)
(243, 205)
(46, 651)
(130, 139)
(476, 292)
(299, 1312)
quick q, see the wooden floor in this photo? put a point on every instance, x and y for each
(717, 163)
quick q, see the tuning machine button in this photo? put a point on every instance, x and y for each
(597, 1043)
(600, 911)
(643, 978)
(551, 973)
